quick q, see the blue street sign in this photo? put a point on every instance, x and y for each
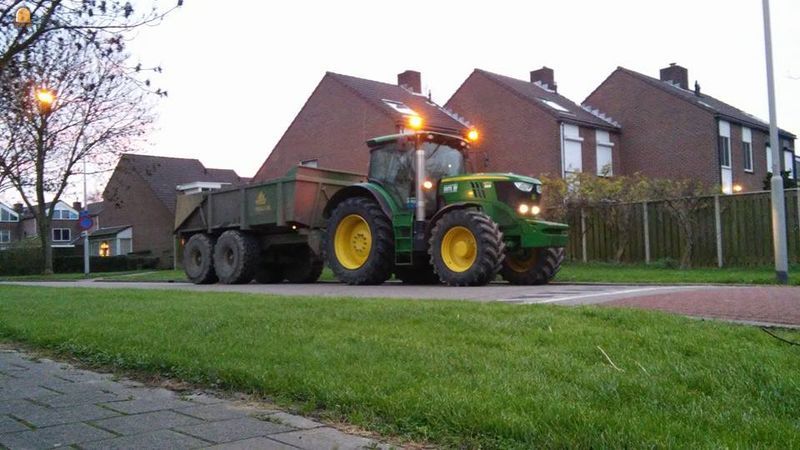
(85, 220)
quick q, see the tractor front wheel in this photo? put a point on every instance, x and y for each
(466, 248)
(532, 266)
(198, 262)
(359, 242)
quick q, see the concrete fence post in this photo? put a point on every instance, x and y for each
(646, 221)
(584, 256)
(718, 226)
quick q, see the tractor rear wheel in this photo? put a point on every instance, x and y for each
(359, 242)
(532, 266)
(466, 248)
(198, 261)
(235, 257)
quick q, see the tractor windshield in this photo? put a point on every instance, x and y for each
(392, 166)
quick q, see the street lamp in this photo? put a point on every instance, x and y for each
(45, 99)
(22, 18)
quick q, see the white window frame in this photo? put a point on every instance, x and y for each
(603, 140)
(747, 149)
(769, 158)
(69, 232)
(570, 133)
(13, 214)
(788, 162)
(724, 132)
(60, 209)
(314, 162)
(5, 236)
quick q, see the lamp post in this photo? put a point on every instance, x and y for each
(778, 206)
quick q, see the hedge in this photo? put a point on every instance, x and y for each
(28, 261)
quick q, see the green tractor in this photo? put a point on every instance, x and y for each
(422, 217)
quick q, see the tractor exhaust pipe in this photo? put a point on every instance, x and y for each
(420, 169)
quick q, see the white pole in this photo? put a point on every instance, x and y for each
(778, 206)
(85, 232)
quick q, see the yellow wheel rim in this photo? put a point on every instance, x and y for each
(352, 242)
(459, 249)
(522, 262)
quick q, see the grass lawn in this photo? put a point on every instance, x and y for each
(458, 374)
(64, 276)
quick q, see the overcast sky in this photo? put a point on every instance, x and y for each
(238, 72)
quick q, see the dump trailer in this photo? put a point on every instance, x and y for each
(267, 232)
(419, 214)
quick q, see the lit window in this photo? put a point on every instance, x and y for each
(105, 249)
(62, 235)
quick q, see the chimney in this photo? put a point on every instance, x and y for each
(545, 76)
(18, 207)
(696, 88)
(76, 206)
(411, 79)
(676, 74)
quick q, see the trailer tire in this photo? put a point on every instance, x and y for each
(198, 259)
(466, 248)
(359, 242)
(268, 274)
(536, 266)
(236, 256)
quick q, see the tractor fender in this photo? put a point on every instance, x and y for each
(447, 209)
(359, 190)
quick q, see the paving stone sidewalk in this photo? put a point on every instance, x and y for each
(47, 404)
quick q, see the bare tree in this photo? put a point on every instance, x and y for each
(63, 102)
(105, 22)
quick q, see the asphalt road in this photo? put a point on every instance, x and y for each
(565, 294)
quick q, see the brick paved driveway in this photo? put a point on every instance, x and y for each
(767, 304)
(45, 404)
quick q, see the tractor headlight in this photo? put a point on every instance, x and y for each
(535, 210)
(523, 186)
(523, 208)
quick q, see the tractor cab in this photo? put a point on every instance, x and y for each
(392, 165)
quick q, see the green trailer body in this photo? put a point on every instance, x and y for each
(284, 210)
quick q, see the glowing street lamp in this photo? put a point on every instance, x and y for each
(22, 18)
(45, 98)
(415, 122)
(473, 135)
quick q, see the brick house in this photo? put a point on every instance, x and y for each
(672, 131)
(139, 203)
(343, 113)
(529, 128)
(18, 223)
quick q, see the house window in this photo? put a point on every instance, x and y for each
(8, 216)
(5, 236)
(571, 144)
(62, 235)
(64, 214)
(105, 249)
(724, 149)
(747, 149)
(605, 166)
(310, 163)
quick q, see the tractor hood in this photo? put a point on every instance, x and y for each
(492, 176)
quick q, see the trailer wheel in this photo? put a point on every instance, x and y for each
(359, 242)
(466, 248)
(198, 261)
(235, 257)
(305, 267)
(268, 274)
(532, 266)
